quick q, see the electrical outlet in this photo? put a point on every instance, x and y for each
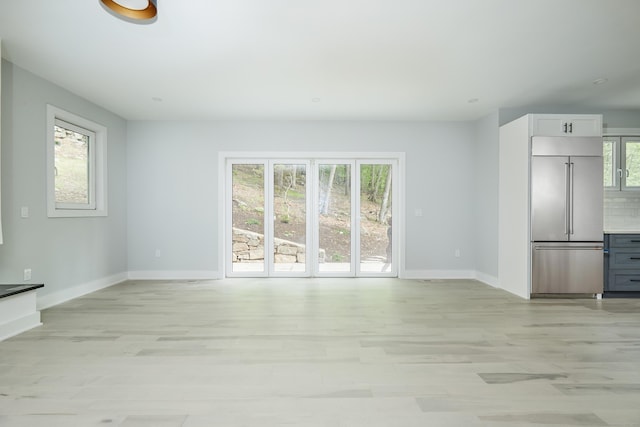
(158, 253)
(27, 274)
(24, 212)
(457, 253)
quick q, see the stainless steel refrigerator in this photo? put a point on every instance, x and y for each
(566, 215)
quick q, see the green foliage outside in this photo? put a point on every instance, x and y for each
(633, 163)
(334, 186)
(607, 153)
(372, 181)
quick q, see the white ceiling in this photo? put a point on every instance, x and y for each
(363, 59)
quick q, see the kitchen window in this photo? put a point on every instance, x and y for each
(76, 165)
(621, 156)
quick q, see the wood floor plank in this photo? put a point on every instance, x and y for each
(324, 352)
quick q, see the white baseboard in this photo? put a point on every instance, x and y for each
(452, 275)
(18, 314)
(65, 295)
(174, 275)
(439, 274)
(18, 326)
(488, 279)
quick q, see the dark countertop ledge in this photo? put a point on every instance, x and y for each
(9, 290)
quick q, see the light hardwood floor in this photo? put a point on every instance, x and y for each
(324, 352)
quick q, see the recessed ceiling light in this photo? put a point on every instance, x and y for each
(600, 81)
(315, 99)
(136, 10)
(473, 100)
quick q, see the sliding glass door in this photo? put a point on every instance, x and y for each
(246, 210)
(375, 220)
(289, 207)
(335, 220)
(310, 217)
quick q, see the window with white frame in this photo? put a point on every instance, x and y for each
(621, 155)
(76, 165)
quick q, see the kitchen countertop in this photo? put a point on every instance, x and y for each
(621, 231)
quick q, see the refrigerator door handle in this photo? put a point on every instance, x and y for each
(566, 198)
(570, 204)
(568, 248)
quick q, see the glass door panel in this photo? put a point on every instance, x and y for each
(247, 217)
(334, 244)
(335, 212)
(631, 176)
(375, 230)
(609, 156)
(289, 204)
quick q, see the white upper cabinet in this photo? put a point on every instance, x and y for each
(566, 125)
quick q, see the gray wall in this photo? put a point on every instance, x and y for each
(173, 184)
(486, 197)
(163, 187)
(62, 252)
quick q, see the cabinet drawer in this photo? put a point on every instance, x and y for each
(624, 258)
(624, 281)
(624, 241)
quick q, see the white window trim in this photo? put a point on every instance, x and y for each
(91, 151)
(98, 174)
(224, 190)
(620, 161)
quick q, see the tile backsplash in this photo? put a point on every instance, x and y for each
(621, 211)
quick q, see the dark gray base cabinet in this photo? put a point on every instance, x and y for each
(622, 265)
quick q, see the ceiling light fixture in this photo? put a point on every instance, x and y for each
(134, 10)
(600, 81)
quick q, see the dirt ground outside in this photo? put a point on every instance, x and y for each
(290, 219)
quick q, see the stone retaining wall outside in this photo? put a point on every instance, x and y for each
(248, 246)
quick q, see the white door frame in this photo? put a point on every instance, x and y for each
(225, 207)
(316, 218)
(394, 202)
(270, 217)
